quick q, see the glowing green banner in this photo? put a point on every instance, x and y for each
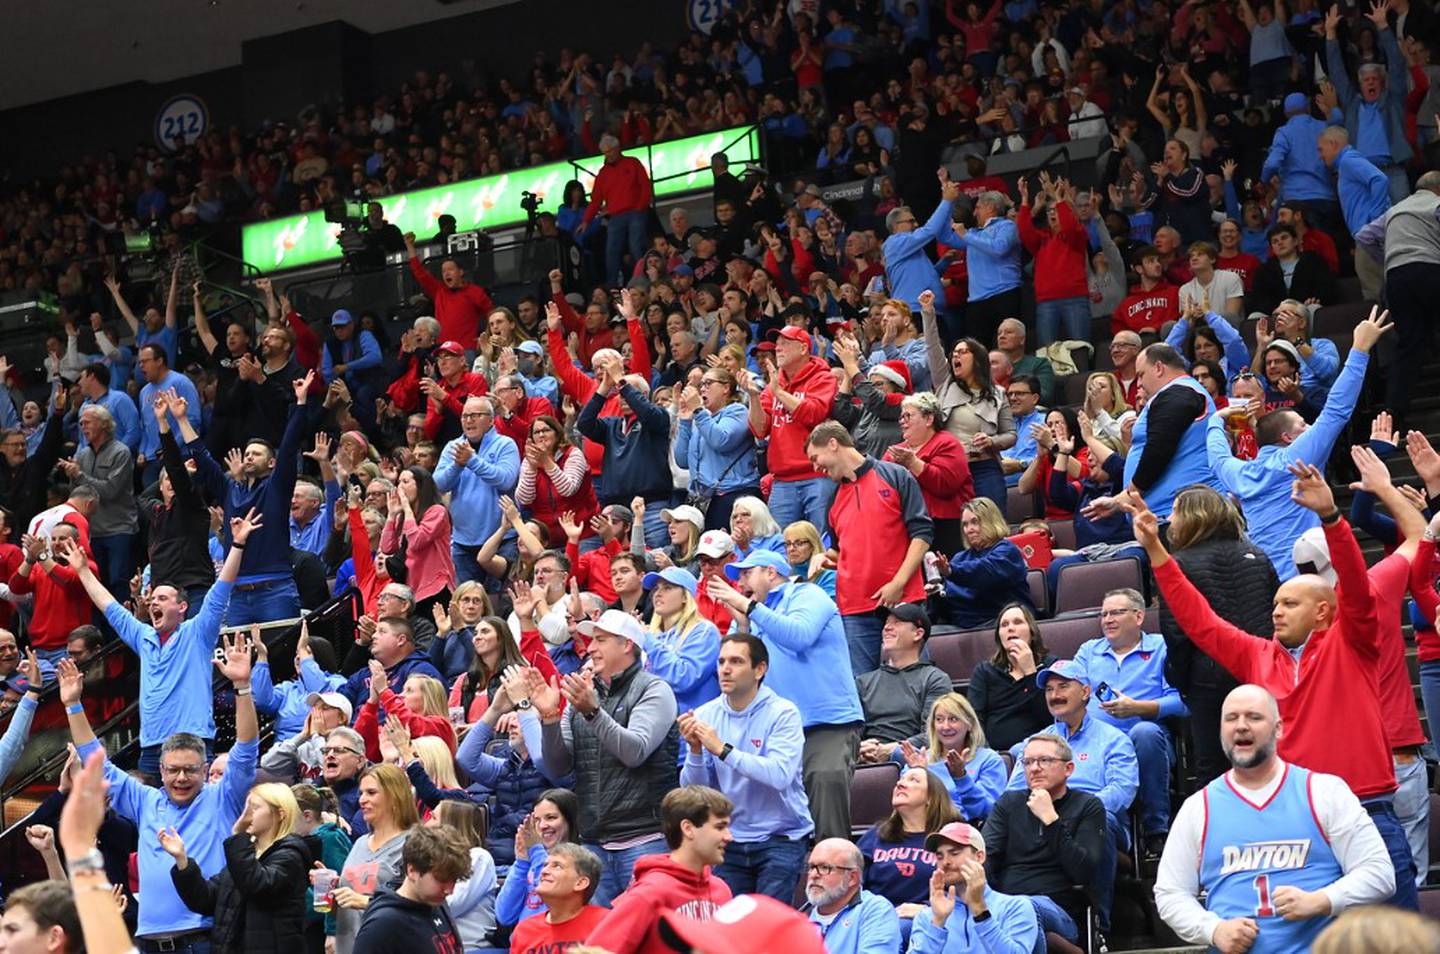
(494, 201)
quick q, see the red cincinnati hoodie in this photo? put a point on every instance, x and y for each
(660, 885)
(815, 386)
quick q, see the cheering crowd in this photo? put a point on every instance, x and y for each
(646, 567)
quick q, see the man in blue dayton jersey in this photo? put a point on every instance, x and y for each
(1278, 849)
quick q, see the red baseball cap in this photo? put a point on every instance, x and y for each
(958, 833)
(751, 923)
(450, 347)
(795, 334)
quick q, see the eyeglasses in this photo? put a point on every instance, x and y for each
(1111, 614)
(389, 596)
(796, 543)
(182, 770)
(472, 415)
(826, 871)
(1019, 394)
(339, 750)
(1040, 761)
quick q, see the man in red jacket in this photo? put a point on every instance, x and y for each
(460, 307)
(623, 190)
(793, 401)
(60, 601)
(445, 398)
(696, 823)
(1322, 666)
(881, 532)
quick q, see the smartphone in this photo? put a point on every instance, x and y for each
(1104, 693)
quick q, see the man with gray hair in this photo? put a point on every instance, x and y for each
(622, 190)
(1375, 113)
(105, 466)
(684, 356)
(908, 270)
(848, 917)
(1412, 274)
(1010, 341)
(992, 252)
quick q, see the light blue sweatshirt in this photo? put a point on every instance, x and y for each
(203, 824)
(1012, 928)
(287, 701)
(1263, 485)
(175, 678)
(686, 661)
(868, 925)
(718, 450)
(908, 270)
(518, 899)
(974, 794)
(801, 627)
(761, 775)
(1236, 355)
(476, 488)
(12, 744)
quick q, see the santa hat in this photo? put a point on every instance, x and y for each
(896, 372)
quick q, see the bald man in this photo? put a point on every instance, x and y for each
(1322, 666)
(1279, 850)
(849, 918)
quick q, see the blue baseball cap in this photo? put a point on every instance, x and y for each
(531, 347)
(756, 558)
(341, 317)
(1296, 103)
(1063, 668)
(675, 576)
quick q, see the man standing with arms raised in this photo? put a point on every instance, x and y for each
(1325, 649)
(1279, 850)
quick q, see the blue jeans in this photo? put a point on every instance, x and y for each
(52, 656)
(1430, 691)
(115, 556)
(809, 499)
(466, 568)
(1104, 888)
(1154, 752)
(771, 867)
(989, 481)
(624, 232)
(656, 534)
(1054, 918)
(1398, 181)
(617, 868)
(862, 633)
(264, 603)
(1382, 813)
(194, 599)
(1412, 809)
(1067, 318)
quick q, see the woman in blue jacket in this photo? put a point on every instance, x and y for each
(988, 573)
(956, 753)
(1214, 340)
(715, 445)
(682, 646)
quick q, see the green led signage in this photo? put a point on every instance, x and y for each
(494, 201)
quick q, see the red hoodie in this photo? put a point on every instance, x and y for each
(815, 386)
(660, 885)
(1059, 255)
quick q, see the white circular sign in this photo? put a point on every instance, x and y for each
(183, 119)
(704, 14)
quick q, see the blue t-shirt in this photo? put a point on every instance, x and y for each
(898, 871)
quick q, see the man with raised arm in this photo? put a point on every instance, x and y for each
(174, 652)
(201, 813)
(1326, 649)
(262, 479)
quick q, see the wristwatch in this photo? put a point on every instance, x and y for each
(523, 705)
(725, 751)
(749, 610)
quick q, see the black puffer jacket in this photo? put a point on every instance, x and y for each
(1238, 580)
(258, 903)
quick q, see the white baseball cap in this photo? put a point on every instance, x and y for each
(615, 623)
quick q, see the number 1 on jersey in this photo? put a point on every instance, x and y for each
(1263, 907)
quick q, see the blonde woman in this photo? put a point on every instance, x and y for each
(683, 646)
(988, 573)
(956, 752)
(387, 805)
(1105, 406)
(262, 886)
(421, 706)
(807, 556)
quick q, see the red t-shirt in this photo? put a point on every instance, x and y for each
(1245, 265)
(1146, 310)
(1389, 580)
(536, 935)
